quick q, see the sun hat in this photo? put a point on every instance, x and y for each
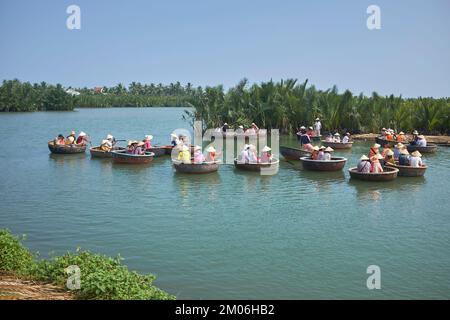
(321, 147)
(148, 137)
(265, 149)
(415, 132)
(416, 154)
(337, 134)
(210, 149)
(401, 132)
(316, 148)
(390, 153)
(364, 157)
(376, 146)
(328, 149)
(173, 135)
(399, 145)
(241, 127)
(302, 127)
(109, 137)
(82, 134)
(310, 128)
(404, 151)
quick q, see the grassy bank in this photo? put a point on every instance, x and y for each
(101, 277)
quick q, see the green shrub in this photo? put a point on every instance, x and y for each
(14, 257)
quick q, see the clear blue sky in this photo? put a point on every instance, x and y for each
(209, 42)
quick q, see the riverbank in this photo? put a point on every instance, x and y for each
(441, 140)
(93, 276)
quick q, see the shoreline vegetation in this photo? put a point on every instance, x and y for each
(24, 276)
(285, 105)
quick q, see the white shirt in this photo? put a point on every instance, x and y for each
(327, 156)
(422, 143)
(345, 139)
(317, 125)
(415, 161)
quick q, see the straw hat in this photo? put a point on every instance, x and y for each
(197, 148)
(82, 134)
(322, 148)
(364, 157)
(404, 151)
(266, 149)
(310, 128)
(302, 127)
(416, 154)
(421, 137)
(401, 133)
(376, 146)
(337, 134)
(210, 149)
(316, 148)
(328, 149)
(390, 153)
(109, 137)
(399, 145)
(173, 135)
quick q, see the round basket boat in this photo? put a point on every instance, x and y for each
(382, 142)
(65, 149)
(338, 145)
(97, 152)
(124, 157)
(196, 168)
(293, 153)
(335, 164)
(160, 150)
(388, 174)
(408, 171)
(430, 148)
(257, 167)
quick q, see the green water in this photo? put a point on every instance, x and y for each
(227, 235)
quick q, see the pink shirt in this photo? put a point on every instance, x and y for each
(199, 157)
(148, 144)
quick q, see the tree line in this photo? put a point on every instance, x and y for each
(285, 104)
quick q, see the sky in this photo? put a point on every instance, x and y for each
(209, 42)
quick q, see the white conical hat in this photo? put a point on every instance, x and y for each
(210, 149)
(149, 137)
(265, 149)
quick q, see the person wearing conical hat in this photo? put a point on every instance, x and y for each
(415, 135)
(374, 150)
(175, 140)
(71, 138)
(266, 155)
(337, 137)
(421, 141)
(416, 159)
(346, 138)
(404, 157)
(386, 148)
(252, 156)
(211, 154)
(198, 155)
(401, 137)
(389, 157)
(131, 145)
(139, 148)
(364, 164)
(327, 153)
(244, 154)
(106, 145)
(148, 141)
(315, 153)
(399, 146)
(389, 135)
(82, 139)
(375, 163)
(321, 154)
(184, 155)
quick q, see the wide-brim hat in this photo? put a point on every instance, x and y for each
(328, 149)
(109, 137)
(302, 127)
(416, 154)
(404, 151)
(390, 153)
(140, 143)
(337, 134)
(399, 145)
(82, 134)
(364, 157)
(266, 149)
(241, 127)
(401, 132)
(322, 147)
(211, 149)
(376, 146)
(415, 132)
(310, 128)
(173, 135)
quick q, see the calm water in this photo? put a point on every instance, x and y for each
(227, 235)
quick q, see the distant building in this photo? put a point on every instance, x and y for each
(72, 92)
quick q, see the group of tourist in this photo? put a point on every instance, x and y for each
(184, 154)
(72, 139)
(139, 147)
(239, 129)
(337, 137)
(249, 154)
(390, 135)
(373, 163)
(321, 153)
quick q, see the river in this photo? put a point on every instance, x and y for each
(230, 235)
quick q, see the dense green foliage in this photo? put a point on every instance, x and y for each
(286, 105)
(17, 96)
(101, 277)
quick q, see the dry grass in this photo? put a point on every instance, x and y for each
(14, 288)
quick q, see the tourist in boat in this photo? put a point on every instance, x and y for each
(421, 141)
(71, 138)
(131, 146)
(415, 137)
(184, 155)
(252, 156)
(390, 135)
(337, 137)
(60, 140)
(174, 140)
(310, 132)
(386, 148)
(148, 141)
(399, 146)
(140, 148)
(198, 155)
(415, 160)
(401, 137)
(346, 138)
(211, 154)
(315, 153)
(383, 133)
(317, 127)
(106, 145)
(404, 157)
(375, 163)
(321, 154)
(364, 164)
(329, 137)
(244, 154)
(305, 140)
(327, 153)
(225, 127)
(375, 149)
(389, 157)
(266, 155)
(82, 139)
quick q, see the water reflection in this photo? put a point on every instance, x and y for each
(68, 159)
(206, 186)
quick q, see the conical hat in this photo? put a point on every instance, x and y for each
(416, 154)
(328, 149)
